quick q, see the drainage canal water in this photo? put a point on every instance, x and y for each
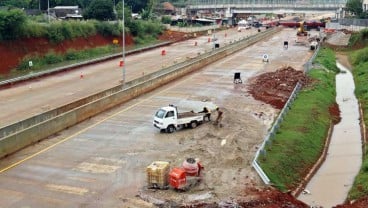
(330, 185)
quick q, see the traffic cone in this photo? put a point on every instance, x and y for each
(209, 40)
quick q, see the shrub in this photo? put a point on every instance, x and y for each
(142, 28)
(166, 19)
(53, 58)
(107, 28)
(24, 64)
(72, 54)
(54, 33)
(34, 29)
(11, 24)
(360, 56)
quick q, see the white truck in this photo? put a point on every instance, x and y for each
(168, 119)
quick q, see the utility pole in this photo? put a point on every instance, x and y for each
(123, 42)
(48, 10)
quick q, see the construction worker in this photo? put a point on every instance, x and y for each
(219, 117)
(207, 112)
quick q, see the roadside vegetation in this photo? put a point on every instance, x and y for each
(15, 24)
(359, 60)
(53, 60)
(298, 143)
(359, 39)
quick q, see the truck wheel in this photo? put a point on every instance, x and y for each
(193, 124)
(170, 129)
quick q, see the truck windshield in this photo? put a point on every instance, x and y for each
(160, 113)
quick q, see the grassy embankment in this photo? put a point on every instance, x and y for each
(300, 139)
(359, 59)
(145, 33)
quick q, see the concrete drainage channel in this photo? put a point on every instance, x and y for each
(344, 156)
(23, 133)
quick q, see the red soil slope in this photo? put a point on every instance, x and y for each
(12, 52)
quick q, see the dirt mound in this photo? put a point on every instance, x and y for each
(275, 88)
(170, 35)
(254, 198)
(360, 203)
(272, 198)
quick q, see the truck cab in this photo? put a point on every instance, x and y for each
(164, 117)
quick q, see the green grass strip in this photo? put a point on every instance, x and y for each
(54, 60)
(360, 73)
(299, 141)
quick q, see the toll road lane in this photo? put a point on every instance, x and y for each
(104, 162)
(40, 95)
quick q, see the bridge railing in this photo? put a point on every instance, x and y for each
(201, 2)
(269, 6)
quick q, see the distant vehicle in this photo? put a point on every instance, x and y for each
(290, 24)
(168, 119)
(314, 25)
(243, 25)
(257, 24)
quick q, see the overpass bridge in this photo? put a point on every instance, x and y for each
(230, 8)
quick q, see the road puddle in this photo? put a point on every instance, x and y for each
(331, 183)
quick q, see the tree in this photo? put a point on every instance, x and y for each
(11, 24)
(355, 7)
(100, 10)
(136, 5)
(147, 12)
(127, 12)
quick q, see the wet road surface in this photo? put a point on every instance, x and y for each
(40, 95)
(101, 162)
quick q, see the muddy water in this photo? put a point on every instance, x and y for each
(333, 180)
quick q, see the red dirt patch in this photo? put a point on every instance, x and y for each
(175, 36)
(360, 203)
(335, 113)
(275, 88)
(14, 51)
(272, 198)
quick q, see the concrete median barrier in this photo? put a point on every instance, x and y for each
(23, 133)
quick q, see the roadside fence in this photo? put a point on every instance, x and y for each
(271, 133)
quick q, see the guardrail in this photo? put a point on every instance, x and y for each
(193, 29)
(271, 133)
(71, 66)
(20, 134)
